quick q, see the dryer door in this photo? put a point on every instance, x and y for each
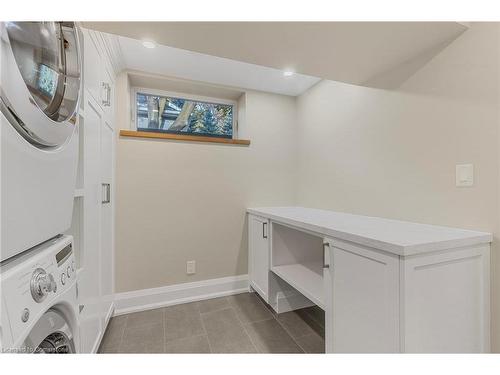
(40, 79)
(51, 334)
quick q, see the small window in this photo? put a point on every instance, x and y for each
(181, 115)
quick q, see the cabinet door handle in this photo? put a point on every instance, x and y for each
(104, 93)
(325, 246)
(107, 88)
(264, 231)
(107, 193)
(108, 102)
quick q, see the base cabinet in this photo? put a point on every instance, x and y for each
(375, 301)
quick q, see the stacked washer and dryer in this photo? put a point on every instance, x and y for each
(40, 87)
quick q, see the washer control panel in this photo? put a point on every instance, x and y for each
(65, 264)
(31, 282)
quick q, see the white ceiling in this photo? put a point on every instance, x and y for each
(354, 52)
(174, 62)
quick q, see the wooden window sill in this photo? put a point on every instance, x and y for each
(183, 137)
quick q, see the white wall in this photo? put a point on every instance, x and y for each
(179, 201)
(393, 153)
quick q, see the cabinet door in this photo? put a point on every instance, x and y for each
(92, 69)
(107, 200)
(90, 274)
(258, 252)
(362, 287)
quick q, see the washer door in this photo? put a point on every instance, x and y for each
(51, 334)
(41, 79)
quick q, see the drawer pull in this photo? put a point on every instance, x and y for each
(106, 193)
(325, 245)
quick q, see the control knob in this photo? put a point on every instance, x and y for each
(42, 283)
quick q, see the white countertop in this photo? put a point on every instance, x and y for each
(394, 236)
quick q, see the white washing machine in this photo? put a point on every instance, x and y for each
(39, 308)
(40, 87)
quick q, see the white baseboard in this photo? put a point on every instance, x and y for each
(109, 315)
(147, 299)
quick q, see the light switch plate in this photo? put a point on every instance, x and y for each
(464, 175)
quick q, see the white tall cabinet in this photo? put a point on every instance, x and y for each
(385, 285)
(107, 215)
(93, 213)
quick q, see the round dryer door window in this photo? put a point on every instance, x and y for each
(51, 334)
(41, 79)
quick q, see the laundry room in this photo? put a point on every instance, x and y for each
(297, 185)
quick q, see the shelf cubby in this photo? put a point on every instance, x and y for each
(297, 258)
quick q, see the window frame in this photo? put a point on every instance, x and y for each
(180, 95)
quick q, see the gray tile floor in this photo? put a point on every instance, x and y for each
(242, 323)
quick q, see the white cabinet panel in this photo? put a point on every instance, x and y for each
(258, 262)
(107, 140)
(89, 275)
(99, 82)
(364, 292)
(447, 298)
(92, 68)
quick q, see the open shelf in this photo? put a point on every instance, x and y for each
(307, 278)
(297, 259)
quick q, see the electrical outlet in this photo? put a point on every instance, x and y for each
(191, 267)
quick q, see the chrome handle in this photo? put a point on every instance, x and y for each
(325, 245)
(107, 193)
(107, 101)
(103, 96)
(264, 232)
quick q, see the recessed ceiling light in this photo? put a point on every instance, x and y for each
(45, 32)
(148, 44)
(288, 73)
